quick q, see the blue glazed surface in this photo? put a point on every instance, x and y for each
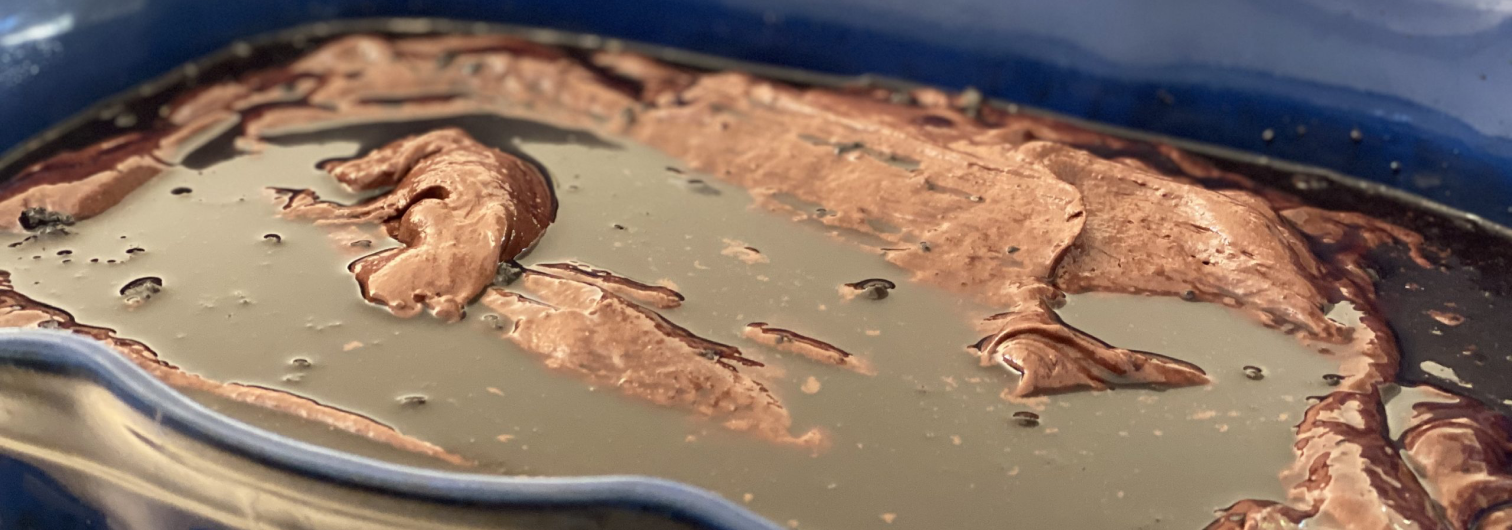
(1425, 81)
(27, 494)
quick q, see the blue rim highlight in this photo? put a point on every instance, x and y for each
(66, 354)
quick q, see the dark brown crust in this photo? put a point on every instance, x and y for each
(808, 347)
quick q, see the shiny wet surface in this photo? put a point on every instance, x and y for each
(927, 443)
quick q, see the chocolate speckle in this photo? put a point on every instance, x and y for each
(507, 272)
(141, 289)
(273, 238)
(1254, 373)
(42, 220)
(181, 191)
(494, 321)
(873, 288)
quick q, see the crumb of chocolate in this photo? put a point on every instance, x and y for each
(507, 272)
(273, 238)
(181, 191)
(494, 321)
(873, 288)
(1447, 318)
(1254, 373)
(142, 289)
(44, 221)
(811, 385)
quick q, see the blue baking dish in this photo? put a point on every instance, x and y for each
(1409, 94)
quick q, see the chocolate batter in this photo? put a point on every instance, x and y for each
(1012, 213)
(457, 206)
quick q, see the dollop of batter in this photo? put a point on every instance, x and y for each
(458, 207)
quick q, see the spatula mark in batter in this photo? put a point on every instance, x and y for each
(644, 355)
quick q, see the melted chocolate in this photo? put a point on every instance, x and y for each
(1011, 211)
(457, 206)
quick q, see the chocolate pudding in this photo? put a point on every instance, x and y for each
(845, 307)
